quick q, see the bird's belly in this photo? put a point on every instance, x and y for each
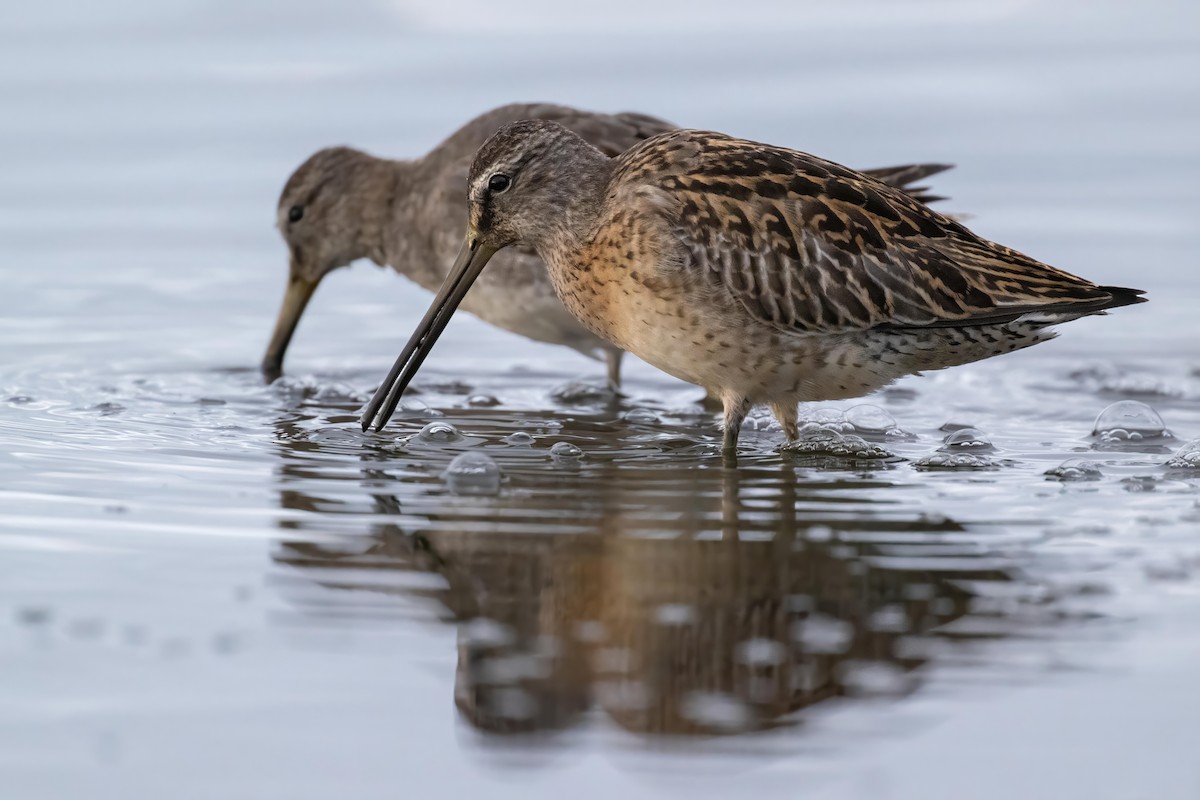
(701, 340)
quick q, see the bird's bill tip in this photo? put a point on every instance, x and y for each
(472, 258)
(295, 299)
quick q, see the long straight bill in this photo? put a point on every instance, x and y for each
(470, 262)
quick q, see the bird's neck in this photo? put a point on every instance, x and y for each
(576, 202)
(385, 189)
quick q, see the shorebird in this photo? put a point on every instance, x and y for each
(763, 274)
(342, 204)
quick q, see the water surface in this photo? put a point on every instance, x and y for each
(212, 587)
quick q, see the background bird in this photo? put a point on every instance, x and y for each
(763, 274)
(342, 204)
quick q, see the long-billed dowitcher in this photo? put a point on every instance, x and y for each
(763, 274)
(342, 204)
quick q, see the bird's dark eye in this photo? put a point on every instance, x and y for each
(499, 182)
(295, 213)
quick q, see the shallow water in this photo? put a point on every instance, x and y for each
(212, 587)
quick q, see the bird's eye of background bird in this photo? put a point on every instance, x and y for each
(499, 182)
(295, 213)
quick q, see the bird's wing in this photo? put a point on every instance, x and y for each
(814, 247)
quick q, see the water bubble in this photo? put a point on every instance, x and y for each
(473, 473)
(967, 439)
(640, 416)
(1188, 457)
(519, 439)
(483, 401)
(565, 451)
(1129, 421)
(439, 433)
(1075, 469)
(579, 393)
(867, 418)
(819, 441)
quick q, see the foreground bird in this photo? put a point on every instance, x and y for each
(763, 274)
(342, 205)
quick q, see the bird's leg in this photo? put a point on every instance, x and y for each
(736, 408)
(613, 358)
(786, 414)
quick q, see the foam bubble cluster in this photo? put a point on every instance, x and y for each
(955, 461)
(814, 440)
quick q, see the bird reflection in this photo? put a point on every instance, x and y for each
(676, 600)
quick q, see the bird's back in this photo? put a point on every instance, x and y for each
(811, 246)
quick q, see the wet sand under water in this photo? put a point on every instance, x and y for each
(211, 587)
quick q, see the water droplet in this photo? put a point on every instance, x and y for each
(889, 619)
(514, 703)
(967, 439)
(640, 416)
(819, 533)
(1140, 483)
(519, 439)
(439, 433)
(622, 695)
(485, 632)
(579, 393)
(1188, 457)
(565, 451)
(338, 393)
(483, 401)
(107, 409)
(875, 678)
(820, 633)
(675, 614)
(1075, 469)
(590, 631)
(716, 710)
(760, 653)
(473, 473)
(1129, 421)
(867, 418)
